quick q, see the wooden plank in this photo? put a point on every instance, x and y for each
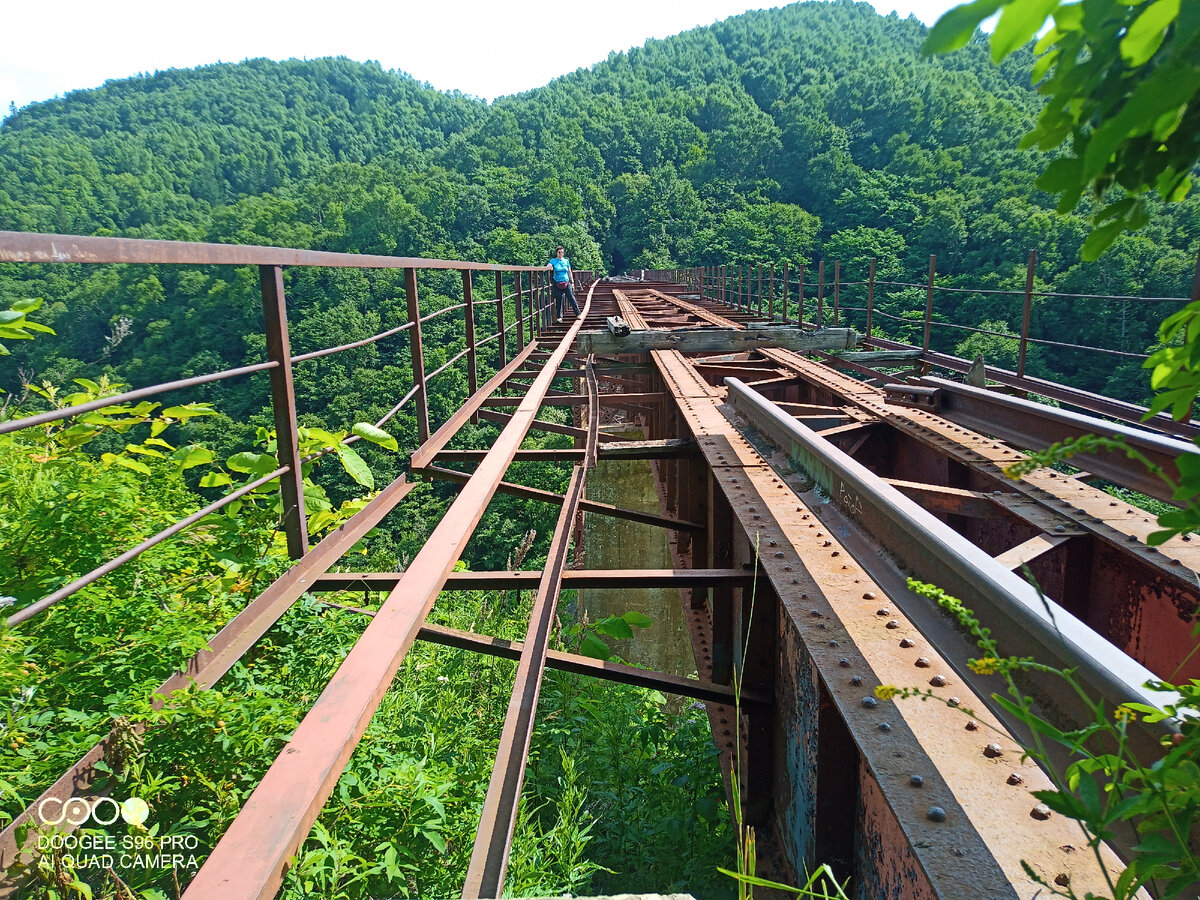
(1031, 550)
(878, 356)
(719, 340)
(956, 501)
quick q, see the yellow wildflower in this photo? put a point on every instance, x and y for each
(1124, 714)
(887, 691)
(985, 666)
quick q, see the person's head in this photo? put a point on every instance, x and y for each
(560, 252)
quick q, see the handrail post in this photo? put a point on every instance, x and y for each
(1025, 315)
(929, 303)
(800, 300)
(787, 289)
(870, 295)
(837, 272)
(760, 290)
(520, 316)
(500, 319)
(771, 295)
(418, 354)
(283, 404)
(821, 294)
(472, 370)
(544, 290)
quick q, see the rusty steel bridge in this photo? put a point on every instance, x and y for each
(802, 479)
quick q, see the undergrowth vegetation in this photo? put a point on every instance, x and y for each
(622, 793)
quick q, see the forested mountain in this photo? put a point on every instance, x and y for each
(815, 130)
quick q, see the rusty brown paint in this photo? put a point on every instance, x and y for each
(250, 858)
(283, 406)
(498, 819)
(21, 247)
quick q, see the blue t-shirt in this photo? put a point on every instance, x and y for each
(561, 268)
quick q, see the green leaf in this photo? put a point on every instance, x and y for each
(26, 306)
(244, 461)
(354, 464)
(375, 435)
(191, 456)
(1146, 34)
(1031, 719)
(1101, 239)
(144, 451)
(113, 459)
(1019, 22)
(594, 647)
(614, 627)
(1064, 804)
(956, 27)
(436, 839)
(641, 620)
(1062, 174)
(189, 411)
(215, 479)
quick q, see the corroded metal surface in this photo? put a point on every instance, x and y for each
(832, 605)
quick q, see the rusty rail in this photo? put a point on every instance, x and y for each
(250, 858)
(1127, 412)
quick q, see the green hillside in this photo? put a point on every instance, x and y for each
(808, 131)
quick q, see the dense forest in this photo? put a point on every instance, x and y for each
(815, 131)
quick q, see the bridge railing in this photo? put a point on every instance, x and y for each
(786, 293)
(524, 289)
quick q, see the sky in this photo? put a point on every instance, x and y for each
(487, 49)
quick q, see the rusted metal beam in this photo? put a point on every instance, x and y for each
(720, 340)
(1017, 613)
(500, 329)
(498, 819)
(544, 454)
(573, 579)
(936, 498)
(836, 645)
(249, 860)
(542, 425)
(22, 247)
(283, 405)
(1028, 551)
(604, 669)
(580, 399)
(418, 355)
(472, 368)
(1035, 426)
(665, 449)
(607, 509)
(430, 447)
(1105, 406)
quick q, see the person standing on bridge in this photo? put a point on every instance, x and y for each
(563, 277)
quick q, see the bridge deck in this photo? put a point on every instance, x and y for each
(796, 493)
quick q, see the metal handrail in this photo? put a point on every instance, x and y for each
(49, 249)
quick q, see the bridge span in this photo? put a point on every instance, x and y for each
(803, 477)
